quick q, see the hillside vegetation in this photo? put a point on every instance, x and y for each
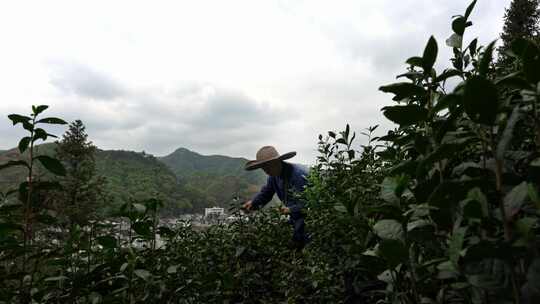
(210, 181)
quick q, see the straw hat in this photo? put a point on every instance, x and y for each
(265, 155)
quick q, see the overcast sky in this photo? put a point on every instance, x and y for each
(217, 77)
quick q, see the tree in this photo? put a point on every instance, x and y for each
(82, 189)
(520, 21)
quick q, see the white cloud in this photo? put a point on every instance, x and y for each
(217, 76)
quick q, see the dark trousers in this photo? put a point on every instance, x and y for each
(300, 238)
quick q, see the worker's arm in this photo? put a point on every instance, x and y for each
(298, 183)
(295, 206)
(264, 196)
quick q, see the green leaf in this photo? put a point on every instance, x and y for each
(513, 201)
(459, 24)
(107, 241)
(475, 205)
(472, 47)
(23, 144)
(456, 245)
(403, 90)
(420, 230)
(172, 269)
(447, 150)
(430, 55)
(389, 229)
(142, 229)
(404, 167)
(140, 208)
(56, 279)
(392, 188)
(40, 134)
(524, 48)
(339, 207)
(37, 110)
(239, 251)
(529, 53)
(469, 9)
(454, 41)
(95, 298)
(13, 163)
(415, 61)
(447, 74)
(447, 270)
(406, 115)
(124, 267)
(341, 141)
(52, 120)
(142, 273)
(447, 101)
(446, 196)
(16, 118)
(513, 81)
(508, 133)
(23, 191)
(393, 251)
(52, 164)
(411, 75)
(486, 59)
(524, 227)
(481, 100)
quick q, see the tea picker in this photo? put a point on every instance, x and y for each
(284, 179)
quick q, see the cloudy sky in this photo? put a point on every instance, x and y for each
(217, 77)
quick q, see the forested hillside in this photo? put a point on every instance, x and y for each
(132, 175)
(185, 163)
(201, 181)
(216, 178)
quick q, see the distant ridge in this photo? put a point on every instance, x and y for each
(187, 181)
(184, 163)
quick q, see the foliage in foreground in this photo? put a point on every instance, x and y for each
(461, 215)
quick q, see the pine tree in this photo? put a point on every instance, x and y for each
(82, 189)
(520, 20)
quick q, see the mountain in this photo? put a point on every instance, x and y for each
(133, 175)
(185, 180)
(11, 177)
(222, 178)
(128, 175)
(186, 163)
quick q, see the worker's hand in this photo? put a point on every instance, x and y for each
(247, 205)
(284, 210)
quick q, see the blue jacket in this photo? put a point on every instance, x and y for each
(297, 178)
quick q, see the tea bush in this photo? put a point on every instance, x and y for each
(458, 220)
